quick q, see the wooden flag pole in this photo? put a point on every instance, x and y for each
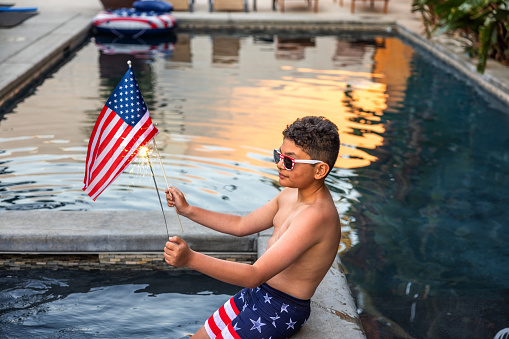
(166, 180)
(164, 174)
(158, 196)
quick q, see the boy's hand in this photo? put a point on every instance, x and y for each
(175, 198)
(176, 252)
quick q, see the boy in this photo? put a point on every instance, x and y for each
(275, 302)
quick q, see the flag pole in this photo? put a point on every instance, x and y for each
(158, 196)
(166, 180)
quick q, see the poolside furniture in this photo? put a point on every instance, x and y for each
(372, 2)
(182, 5)
(10, 17)
(282, 4)
(228, 5)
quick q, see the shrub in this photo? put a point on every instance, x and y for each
(485, 23)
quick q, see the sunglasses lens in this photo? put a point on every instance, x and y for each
(287, 162)
(277, 158)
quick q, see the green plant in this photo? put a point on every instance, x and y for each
(485, 23)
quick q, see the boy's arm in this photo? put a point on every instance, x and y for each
(256, 221)
(285, 251)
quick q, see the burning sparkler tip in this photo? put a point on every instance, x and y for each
(144, 151)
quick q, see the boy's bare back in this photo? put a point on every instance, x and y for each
(321, 231)
(306, 224)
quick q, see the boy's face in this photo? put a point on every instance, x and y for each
(301, 174)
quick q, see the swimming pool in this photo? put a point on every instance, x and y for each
(421, 183)
(106, 304)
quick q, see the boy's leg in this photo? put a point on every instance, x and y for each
(201, 334)
(220, 319)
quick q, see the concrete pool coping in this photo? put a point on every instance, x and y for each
(333, 313)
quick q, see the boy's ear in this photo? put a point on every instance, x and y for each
(321, 170)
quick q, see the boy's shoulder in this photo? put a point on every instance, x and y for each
(322, 208)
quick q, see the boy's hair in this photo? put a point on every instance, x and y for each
(317, 136)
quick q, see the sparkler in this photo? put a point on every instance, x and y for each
(145, 152)
(166, 180)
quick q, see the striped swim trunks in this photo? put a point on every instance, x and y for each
(261, 312)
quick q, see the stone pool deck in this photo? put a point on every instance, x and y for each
(114, 238)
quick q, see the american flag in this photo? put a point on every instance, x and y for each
(122, 128)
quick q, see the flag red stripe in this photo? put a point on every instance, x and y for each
(110, 154)
(122, 156)
(108, 130)
(111, 145)
(110, 167)
(118, 166)
(110, 118)
(92, 143)
(111, 175)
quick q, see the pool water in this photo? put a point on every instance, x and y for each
(421, 184)
(106, 304)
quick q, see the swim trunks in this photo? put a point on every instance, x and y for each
(261, 312)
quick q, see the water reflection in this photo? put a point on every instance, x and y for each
(293, 48)
(431, 215)
(420, 184)
(225, 50)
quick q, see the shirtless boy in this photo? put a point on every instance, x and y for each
(278, 286)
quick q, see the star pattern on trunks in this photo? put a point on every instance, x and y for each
(253, 310)
(291, 324)
(257, 325)
(274, 320)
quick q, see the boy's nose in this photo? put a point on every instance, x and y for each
(279, 164)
